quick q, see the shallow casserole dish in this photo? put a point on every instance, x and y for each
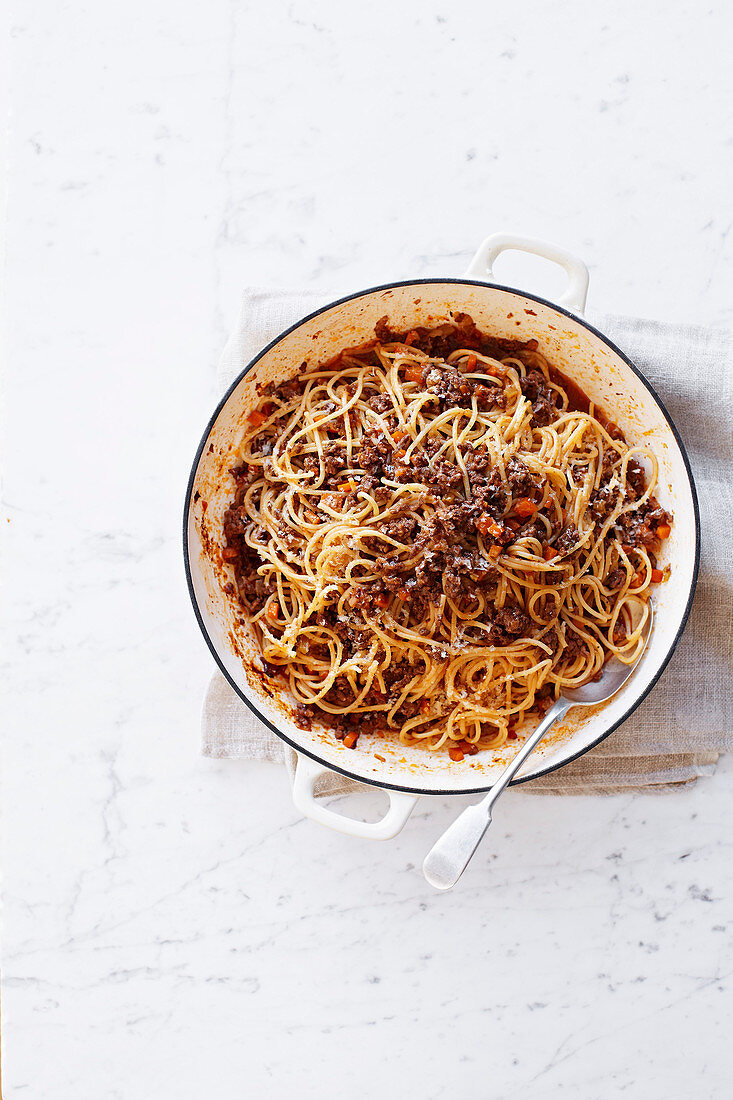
(585, 356)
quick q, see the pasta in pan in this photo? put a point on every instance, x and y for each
(435, 533)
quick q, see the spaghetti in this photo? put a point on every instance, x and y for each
(435, 534)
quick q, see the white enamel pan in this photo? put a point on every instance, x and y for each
(584, 355)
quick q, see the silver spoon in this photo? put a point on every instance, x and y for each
(448, 858)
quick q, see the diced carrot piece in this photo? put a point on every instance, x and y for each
(350, 740)
(496, 372)
(414, 373)
(348, 486)
(273, 612)
(549, 553)
(525, 507)
(455, 754)
(488, 526)
(471, 362)
(657, 575)
(425, 706)
(494, 553)
(382, 600)
(256, 418)
(663, 531)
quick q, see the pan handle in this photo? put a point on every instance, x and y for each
(307, 772)
(576, 292)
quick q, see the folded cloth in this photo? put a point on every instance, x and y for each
(677, 733)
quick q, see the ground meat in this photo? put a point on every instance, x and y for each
(312, 464)
(522, 482)
(496, 636)
(367, 598)
(513, 620)
(244, 474)
(489, 397)
(441, 563)
(607, 463)
(429, 571)
(444, 476)
(574, 645)
(340, 693)
(334, 458)
(402, 529)
(236, 521)
(381, 402)
(450, 385)
(386, 335)
(656, 515)
(453, 585)
(567, 541)
(534, 385)
(635, 479)
(615, 579)
(534, 529)
(536, 389)
(397, 677)
(263, 586)
(286, 391)
(544, 412)
(444, 339)
(602, 501)
(303, 716)
(375, 453)
(252, 588)
(354, 633)
(490, 494)
(290, 538)
(409, 709)
(478, 460)
(456, 520)
(640, 528)
(439, 341)
(441, 475)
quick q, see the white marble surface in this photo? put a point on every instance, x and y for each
(172, 929)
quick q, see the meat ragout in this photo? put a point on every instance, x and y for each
(476, 512)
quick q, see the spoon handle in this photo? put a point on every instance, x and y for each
(450, 855)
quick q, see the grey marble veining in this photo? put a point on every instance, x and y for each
(171, 928)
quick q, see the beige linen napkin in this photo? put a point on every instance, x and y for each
(678, 732)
